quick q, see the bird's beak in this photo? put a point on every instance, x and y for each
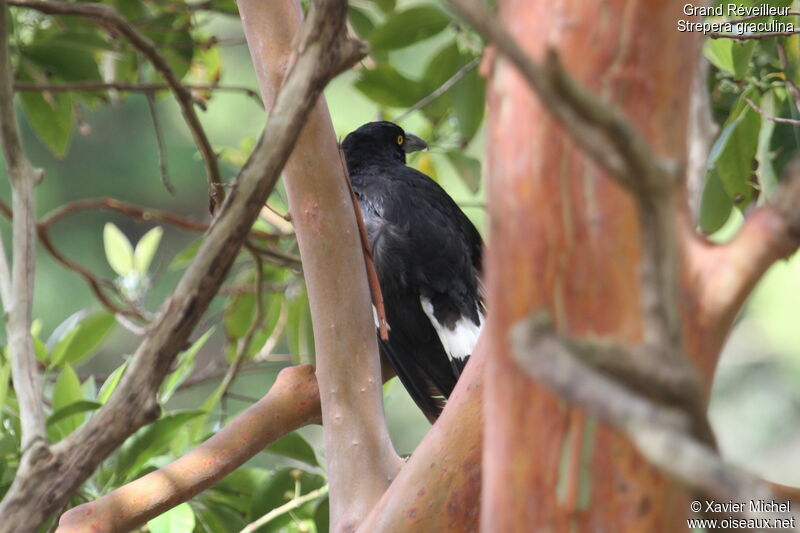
(414, 144)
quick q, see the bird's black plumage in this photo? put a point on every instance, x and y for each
(428, 258)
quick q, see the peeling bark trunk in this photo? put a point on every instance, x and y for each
(545, 463)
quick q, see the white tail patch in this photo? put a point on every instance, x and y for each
(377, 320)
(458, 342)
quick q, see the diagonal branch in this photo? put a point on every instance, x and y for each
(292, 402)
(147, 88)
(722, 276)
(43, 484)
(443, 88)
(348, 366)
(108, 17)
(17, 291)
(660, 433)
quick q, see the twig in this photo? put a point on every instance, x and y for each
(162, 149)
(369, 261)
(84, 86)
(108, 17)
(18, 289)
(767, 116)
(239, 397)
(243, 344)
(285, 508)
(443, 88)
(278, 257)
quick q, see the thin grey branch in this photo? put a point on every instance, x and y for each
(162, 149)
(767, 116)
(88, 86)
(18, 290)
(443, 88)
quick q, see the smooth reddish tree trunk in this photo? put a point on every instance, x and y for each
(565, 238)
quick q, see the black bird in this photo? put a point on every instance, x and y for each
(428, 258)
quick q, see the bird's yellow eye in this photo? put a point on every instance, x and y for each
(399, 139)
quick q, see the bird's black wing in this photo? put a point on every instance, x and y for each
(424, 248)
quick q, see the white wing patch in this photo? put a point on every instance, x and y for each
(458, 342)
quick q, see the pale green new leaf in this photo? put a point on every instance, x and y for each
(119, 251)
(146, 249)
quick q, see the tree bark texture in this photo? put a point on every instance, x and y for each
(565, 237)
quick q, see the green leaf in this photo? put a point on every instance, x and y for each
(470, 102)
(385, 5)
(66, 392)
(361, 21)
(468, 168)
(213, 518)
(240, 311)
(439, 69)
(5, 374)
(229, 7)
(149, 442)
(132, 9)
(322, 516)
(278, 489)
(299, 333)
(184, 369)
(84, 339)
(408, 27)
(767, 177)
(63, 58)
(146, 249)
(718, 52)
(171, 32)
(791, 46)
(185, 256)
(111, 383)
(386, 86)
(40, 350)
(741, 53)
(179, 519)
(52, 119)
(294, 446)
(119, 251)
(79, 407)
(241, 484)
(734, 151)
(715, 205)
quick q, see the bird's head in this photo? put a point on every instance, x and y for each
(380, 142)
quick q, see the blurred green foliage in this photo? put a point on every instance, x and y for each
(751, 82)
